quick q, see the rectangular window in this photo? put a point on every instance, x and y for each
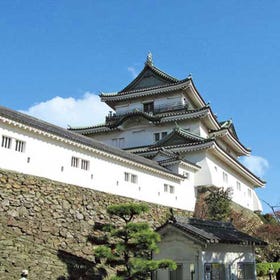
(74, 162)
(126, 176)
(225, 177)
(20, 146)
(134, 179)
(169, 188)
(238, 186)
(214, 271)
(6, 142)
(159, 135)
(85, 164)
(186, 174)
(118, 142)
(156, 137)
(148, 107)
(245, 271)
(249, 192)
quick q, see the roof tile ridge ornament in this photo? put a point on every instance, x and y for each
(149, 60)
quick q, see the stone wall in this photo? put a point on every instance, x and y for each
(45, 226)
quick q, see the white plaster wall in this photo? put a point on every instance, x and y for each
(47, 157)
(183, 251)
(244, 196)
(211, 173)
(141, 132)
(204, 175)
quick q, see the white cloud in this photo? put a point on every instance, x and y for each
(256, 164)
(133, 71)
(86, 111)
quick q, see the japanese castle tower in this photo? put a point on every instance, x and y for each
(166, 120)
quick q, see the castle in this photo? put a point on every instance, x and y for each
(160, 143)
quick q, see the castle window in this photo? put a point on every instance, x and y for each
(132, 178)
(148, 107)
(186, 174)
(159, 135)
(238, 186)
(169, 188)
(20, 146)
(118, 142)
(156, 136)
(74, 162)
(6, 142)
(126, 176)
(84, 164)
(249, 192)
(225, 177)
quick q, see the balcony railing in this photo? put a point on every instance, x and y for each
(156, 110)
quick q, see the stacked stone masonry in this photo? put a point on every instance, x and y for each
(45, 226)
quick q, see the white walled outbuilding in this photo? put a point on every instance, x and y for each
(206, 250)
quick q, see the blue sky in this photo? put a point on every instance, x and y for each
(56, 56)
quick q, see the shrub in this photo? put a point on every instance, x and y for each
(263, 268)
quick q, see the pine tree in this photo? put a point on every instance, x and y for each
(218, 204)
(126, 245)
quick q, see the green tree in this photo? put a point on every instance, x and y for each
(218, 204)
(126, 245)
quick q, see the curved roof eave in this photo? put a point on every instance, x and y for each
(199, 101)
(239, 147)
(115, 97)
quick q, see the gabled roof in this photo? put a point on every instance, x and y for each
(229, 125)
(152, 81)
(150, 76)
(53, 131)
(227, 136)
(178, 136)
(208, 232)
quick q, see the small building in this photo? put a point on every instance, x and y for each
(206, 250)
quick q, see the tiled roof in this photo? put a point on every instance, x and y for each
(195, 145)
(189, 114)
(166, 162)
(156, 71)
(147, 91)
(177, 131)
(75, 137)
(212, 231)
